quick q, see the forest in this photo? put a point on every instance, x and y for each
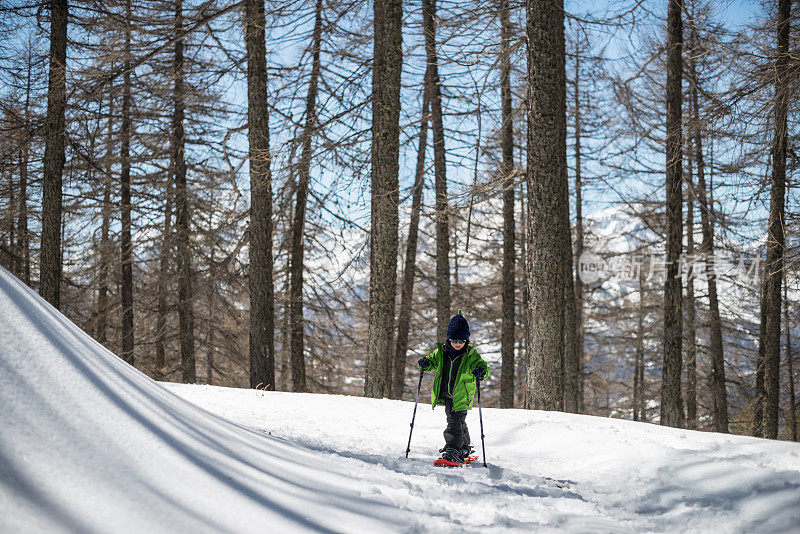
(297, 195)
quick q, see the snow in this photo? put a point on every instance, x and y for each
(89, 444)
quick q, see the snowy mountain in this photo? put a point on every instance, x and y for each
(624, 241)
(89, 444)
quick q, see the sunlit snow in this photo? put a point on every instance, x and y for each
(89, 444)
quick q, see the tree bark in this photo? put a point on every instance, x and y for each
(789, 363)
(262, 306)
(23, 235)
(410, 267)
(304, 177)
(185, 275)
(771, 300)
(508, 174)
(55, 139)
(717, 378)
(23, 239)
(671, 401)
(387, 66)
(571, 371)
(571, 362)
(105, 227)
(638, 366)
(283, 368)
(163, 275)
(579, 311)
(758, 402)
(15, 265)
(691, 316)
(211, 341)
(440, 171)
(546, 177)
(526, 307)
(126, 245)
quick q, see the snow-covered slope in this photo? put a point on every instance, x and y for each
(88, 444)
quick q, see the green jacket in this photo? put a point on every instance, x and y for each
(464, 390)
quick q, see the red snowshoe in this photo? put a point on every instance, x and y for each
(453, 458)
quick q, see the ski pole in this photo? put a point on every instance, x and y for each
(480, 416)
(414, 416)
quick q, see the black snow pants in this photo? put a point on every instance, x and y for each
(456, 434)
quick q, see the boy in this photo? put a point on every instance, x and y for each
(457, 366)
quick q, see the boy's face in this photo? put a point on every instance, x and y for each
(458, 344)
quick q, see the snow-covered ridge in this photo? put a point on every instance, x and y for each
(89, 444)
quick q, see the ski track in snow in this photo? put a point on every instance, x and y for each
(89, 444)
(617, 476)
(473, 499)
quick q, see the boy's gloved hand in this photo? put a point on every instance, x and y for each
(478, 372)
(424, 364)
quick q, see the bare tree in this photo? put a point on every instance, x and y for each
(297, 242)
(690, 357)
(440, 171)
(792, 415)
(126, 244)
(410, 266)
(50, 256)
(163, 276)
(717, 378)
(509, 178)
(571, 369)
(546, 178)
(105, 228)
(671, 402)
(579, 298)
(262, 306)
(638, 366)
(23, 236)
(776, 239)
(386, 69)
(185, 275)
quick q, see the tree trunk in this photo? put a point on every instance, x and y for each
(304, 176)
(638, 366)
(526, 301)
(758, 403)
(546, 177)
(126, 289)
(211, 341)
(671, 402)
(262, 307)
(439, 166)
(717, 378)
(571, 363)
(23, 235)
(185, 275)
(578, 237)
(387, 66)
(789, 364)
(105, 226)
(55, 138)
(15, 265)
(507, 335)
(691, 316)
(163, 275)
(771, 300)
(23, 239)
(409, 270)
(571, 371)
(283, 368)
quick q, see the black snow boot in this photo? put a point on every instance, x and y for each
(453, 455)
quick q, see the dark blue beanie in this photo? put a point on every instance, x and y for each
(458, 328)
